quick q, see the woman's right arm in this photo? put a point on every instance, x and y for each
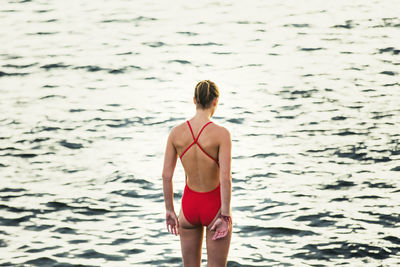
(170, 159)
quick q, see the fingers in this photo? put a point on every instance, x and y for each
(172, 223)
(219, 234)
(176, 230)
(173, 228)
(214, 225)
(215, 236)
(177, 225)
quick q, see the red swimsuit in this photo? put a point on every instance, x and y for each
(200, 208)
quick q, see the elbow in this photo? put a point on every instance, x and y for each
(166, 177)
(226, 182)
(225, 178)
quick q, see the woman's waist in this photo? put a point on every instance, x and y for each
(199, 187)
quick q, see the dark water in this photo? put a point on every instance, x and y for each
(90, 89)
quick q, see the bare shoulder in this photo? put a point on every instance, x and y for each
(222, 131)
(177, 130)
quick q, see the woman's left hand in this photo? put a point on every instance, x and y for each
(221, 229)
(172, 222)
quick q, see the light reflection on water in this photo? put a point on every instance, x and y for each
(310, 93)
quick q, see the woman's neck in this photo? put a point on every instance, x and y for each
(203, 114)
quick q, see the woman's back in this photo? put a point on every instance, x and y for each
(199, 153)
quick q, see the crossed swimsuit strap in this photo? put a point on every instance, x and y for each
(195, 142)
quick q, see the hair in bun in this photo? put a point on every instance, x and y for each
(205, 92)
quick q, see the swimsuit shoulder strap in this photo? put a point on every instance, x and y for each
(195, 141)
(197, 138)
(191, 130)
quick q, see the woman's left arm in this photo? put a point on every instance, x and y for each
(170, 159)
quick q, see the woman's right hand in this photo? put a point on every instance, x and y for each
(221, 228)
(172, 222)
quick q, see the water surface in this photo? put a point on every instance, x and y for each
(309, 92)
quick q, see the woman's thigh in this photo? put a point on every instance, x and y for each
(191, 241)
(217, 250)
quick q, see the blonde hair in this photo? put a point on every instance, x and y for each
(205, 92)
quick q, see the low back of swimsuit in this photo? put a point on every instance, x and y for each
(200, 208)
